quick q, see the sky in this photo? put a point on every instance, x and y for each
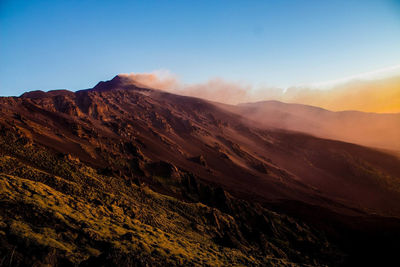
(72, 45)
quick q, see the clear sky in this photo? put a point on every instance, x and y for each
(74, 44)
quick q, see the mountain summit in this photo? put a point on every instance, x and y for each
(120, 81)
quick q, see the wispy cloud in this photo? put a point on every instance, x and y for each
(370, 75)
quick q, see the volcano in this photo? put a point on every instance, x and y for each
(126, 174)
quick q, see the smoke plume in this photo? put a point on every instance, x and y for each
(381, 96)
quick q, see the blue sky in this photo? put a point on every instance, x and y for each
(74, 44)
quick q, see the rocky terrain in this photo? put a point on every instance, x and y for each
(121, 174)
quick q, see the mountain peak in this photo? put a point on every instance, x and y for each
(114, 83)
(120, 81)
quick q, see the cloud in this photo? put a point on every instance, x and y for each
(215, 89)
(160, 79)
(370, 75)
(380, 95)
(218, 90)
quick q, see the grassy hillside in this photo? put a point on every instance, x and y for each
(56, 210)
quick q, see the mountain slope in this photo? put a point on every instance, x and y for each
(122, 138)
(368, 129)
(115, 123)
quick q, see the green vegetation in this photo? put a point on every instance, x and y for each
(74, 218)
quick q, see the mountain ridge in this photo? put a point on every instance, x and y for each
(190, 150)
(91, 103)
